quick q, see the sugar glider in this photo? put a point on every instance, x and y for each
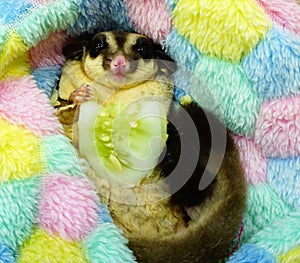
(194, 224)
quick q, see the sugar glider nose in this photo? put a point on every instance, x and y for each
(119, 64)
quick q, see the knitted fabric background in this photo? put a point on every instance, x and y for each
(238, 59)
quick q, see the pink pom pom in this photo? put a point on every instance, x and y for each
(69, 207)
(284, 12)
(278, 128)
(49, 51)
(254, 162)
(150, 18)
(23, 103)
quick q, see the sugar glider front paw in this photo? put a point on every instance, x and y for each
(83, 94)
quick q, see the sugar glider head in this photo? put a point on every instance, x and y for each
(119, 59)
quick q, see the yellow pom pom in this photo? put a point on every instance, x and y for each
(291, 257)
(225, 29)
(14, 58)
(41, 247)
(20, 153)
(18, 68)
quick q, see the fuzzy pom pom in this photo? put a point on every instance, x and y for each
(45, 20)
(104, 215)
(3, 35)
(48, 53)
(117, 14)
(252, 253)
(17, 69)
(284, 178)
(150, 18)
(222, 88)
(277, 128)
(22, 103)
(274, 65)
(88, 19)
(20, 153)
(254, 162)
(6, 254)
(171, 4)
(47, 78)
(41, 2)
(13, 10)
(286, 13)
(68, 207)
(106, 244)
(291, 257)
(223, 29)
(41, 247)
(281, 236)
(181, 51)
(60, 156)
(113, 16)
(14, 47)
(179, 93)
(264, 206)
(18, 210)
(14, 59)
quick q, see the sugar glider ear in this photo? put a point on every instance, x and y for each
(75, 50)
(164, 61)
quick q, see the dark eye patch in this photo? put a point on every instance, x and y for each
(144, 47)
(97, 45)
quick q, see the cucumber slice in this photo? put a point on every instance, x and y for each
(125, 141)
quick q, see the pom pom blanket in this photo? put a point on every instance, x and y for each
(238, 59)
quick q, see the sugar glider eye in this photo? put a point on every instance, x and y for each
(98, 44)
(144, 47)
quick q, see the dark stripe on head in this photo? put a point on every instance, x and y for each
(120, 37)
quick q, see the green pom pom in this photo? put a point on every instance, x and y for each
(128, 139)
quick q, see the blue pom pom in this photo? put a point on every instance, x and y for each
(181, 50)
(7, 255)
(88, 19)
(13, 9)
(47, 78)
(250, 253)
(171, 5)
(178, 93)
(98, 16)
(104, 214)
(274, 65)
(284, 177)
(182, 79)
